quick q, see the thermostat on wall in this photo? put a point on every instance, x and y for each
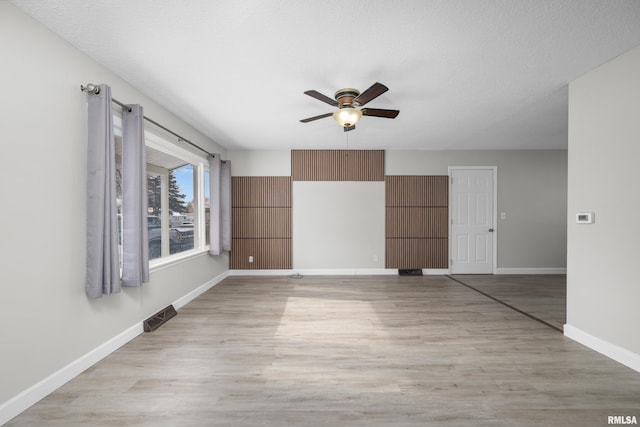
(585, 218)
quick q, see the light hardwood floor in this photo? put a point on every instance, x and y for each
(541, 296)
(345, 351)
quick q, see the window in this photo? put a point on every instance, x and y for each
(175, 203)
(172, 204)
(177, 193)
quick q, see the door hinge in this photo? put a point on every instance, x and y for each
(451, 261)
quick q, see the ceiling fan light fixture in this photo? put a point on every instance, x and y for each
(349, 101)
(347, 116)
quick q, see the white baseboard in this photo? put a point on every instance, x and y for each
(552, 270)
(619, 354)
(346, 271)
(182, 301)
(33, 394)
(262, 272)
(315, 272)
(332, 272)
(435, 271)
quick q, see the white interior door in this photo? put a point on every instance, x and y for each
(472, 220)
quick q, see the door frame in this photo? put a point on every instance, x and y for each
(494, 169)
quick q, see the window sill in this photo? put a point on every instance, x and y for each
(162, 263)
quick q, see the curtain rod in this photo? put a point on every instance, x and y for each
(95, 90)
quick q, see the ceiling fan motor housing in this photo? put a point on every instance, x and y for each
(345, 97)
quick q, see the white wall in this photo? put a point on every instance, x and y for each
(46, 320)
(260, 163)
(338, 225)
(603, 291)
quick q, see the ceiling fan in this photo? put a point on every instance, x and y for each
(348, 100)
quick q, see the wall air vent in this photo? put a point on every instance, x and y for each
(159, 319)
(410, 272)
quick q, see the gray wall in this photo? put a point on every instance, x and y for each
(604, 148)
(532, 191)
(46, 321)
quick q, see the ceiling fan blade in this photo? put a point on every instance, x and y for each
(379, 112)
(321, 116)
(324, 98)
(373, 92)
(348, 128)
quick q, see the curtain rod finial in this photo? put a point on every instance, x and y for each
(91, 88)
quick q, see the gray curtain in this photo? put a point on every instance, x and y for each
(215, 190)
(135, 249)
(225, 205)
(103, 270)
(220, 205)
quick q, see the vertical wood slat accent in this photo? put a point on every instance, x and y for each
(261, 222)
(416, 222)
(417, 191)
(266, 253)
(337, 165)
(261, 191)
(416, 253)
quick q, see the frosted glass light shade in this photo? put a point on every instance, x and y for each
(347, 116)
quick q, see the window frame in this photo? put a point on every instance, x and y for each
(200, 163)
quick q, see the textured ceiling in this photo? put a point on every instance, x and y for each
(472, 74)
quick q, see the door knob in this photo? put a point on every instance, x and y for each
(491, 230)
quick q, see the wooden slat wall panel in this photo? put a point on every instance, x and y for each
(337, 165)
(417, 190)
(261, 191)
(417, 225)
(266, 253)
(416, 253)
(261, 222)
(421, 222)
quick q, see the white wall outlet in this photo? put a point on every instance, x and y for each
(375, 258)
(503, 215)
(250, 258)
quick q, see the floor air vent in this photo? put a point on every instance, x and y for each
(159, 319)
(410, 272)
